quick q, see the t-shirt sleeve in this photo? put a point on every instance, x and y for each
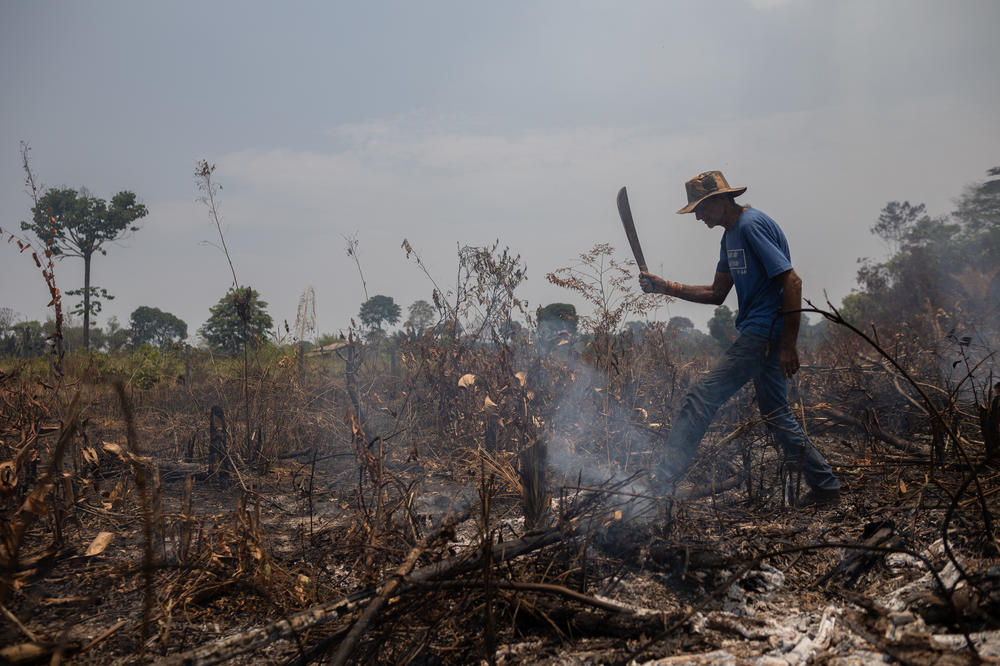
(768, 251)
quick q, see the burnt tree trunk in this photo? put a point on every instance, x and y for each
(989, 422)
(218, 441)
(86, 300)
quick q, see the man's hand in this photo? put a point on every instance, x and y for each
(788, 360)
(652, 284)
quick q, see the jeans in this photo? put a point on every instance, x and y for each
(750, 357)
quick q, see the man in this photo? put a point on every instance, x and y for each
(755, 259)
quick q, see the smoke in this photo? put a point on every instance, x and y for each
(595, 441)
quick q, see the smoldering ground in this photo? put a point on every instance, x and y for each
(586, 413)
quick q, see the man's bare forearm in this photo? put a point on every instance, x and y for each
(791, 304)
(713, 294)
(702, 293)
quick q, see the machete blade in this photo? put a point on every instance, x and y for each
(633, 238)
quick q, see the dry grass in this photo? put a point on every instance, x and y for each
(341, 475)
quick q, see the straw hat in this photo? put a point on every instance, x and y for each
(706, 185)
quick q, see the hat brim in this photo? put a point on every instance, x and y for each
(736, 191)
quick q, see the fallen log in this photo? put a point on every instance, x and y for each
(248, 641)
(33, 653)
(549, 588)
(388, 590)
(502, 552)
(887, 437)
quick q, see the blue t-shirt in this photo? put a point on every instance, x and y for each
(753, 252)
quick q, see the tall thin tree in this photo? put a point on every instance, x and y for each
(71, 223)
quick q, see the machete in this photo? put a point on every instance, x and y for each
(633, 238)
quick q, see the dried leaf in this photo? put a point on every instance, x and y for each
(35, 501)
(643, 413)
(902, 486)
(489, 404)
(522, 377)
(8, 477)
(111, 447)
(116, 494)
(99, 543)
(467, 380)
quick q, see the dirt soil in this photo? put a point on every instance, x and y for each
(718, 579)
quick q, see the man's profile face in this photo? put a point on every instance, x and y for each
(710, 211)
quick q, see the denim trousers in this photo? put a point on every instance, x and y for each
(751, 357)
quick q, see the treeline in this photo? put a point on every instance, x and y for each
(942, 273)
(146, 326)
(940, 278)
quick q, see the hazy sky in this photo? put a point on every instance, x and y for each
(455, 123)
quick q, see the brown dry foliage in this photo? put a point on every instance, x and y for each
(344, 472)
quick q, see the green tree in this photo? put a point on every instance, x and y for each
(555, 321)
(378, 311)
(154, 326)
(979, 207)
(680, 325)
(636, 328)
(224, 330)
(7, 318)
(72, 333)
(421, 315)
(722, 325)
(938, 268)
(91, 303)
(979, 213)
(30, 337)
(8, 336)
(72, 223)
(557, 316)
(919, 277)
(895, 221)
(115, 337)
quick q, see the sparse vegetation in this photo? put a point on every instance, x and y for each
(462, 493)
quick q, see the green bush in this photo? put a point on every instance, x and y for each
(146, 366)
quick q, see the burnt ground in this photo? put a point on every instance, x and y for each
(899, 571)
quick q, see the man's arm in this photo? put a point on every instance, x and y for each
(791, 303)
(712, 294)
